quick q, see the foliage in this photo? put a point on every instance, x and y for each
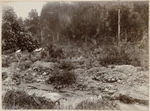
(63, 76)
(86, 21)
(77, 21)
(19, 99)
(5, 63)
(126, 54)
(66, 65)
(130, 100)
(105, 104)
(32, 23)
(25, 64)
(4, 75)
(13, 35)
(54, 52)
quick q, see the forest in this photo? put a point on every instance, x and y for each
(95, 47)
(78, 22)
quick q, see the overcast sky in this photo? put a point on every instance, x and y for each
(23, 8)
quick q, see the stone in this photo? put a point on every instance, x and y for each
(44, 65)
(139, 94)
(44, 74)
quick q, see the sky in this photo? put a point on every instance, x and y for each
(23, 8)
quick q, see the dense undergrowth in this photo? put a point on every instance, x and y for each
(19, 99)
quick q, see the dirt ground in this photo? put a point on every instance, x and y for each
(125, 84)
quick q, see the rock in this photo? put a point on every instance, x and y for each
(44, 74)
(111, 91)
(119, 81)
(34, 74)
(44, 65)
(52, 96)
(127, 69)
(137, 94)
(106, 89)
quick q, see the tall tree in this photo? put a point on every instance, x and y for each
(13, 35)
(32, 23)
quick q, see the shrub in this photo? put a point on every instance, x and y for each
(44, 54)
(54, 52)
(119, 55)
(104, 104)
(66, 65)
(16, 78)
(5, 62)
(64, 77)
(19, 99)
(4, 75)
(25, 64)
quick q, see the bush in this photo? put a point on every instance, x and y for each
(25, 65)
(119, 55)
(105, 104)
(66, 65)
(5, 61)
(54, 52)
(16, 78)
(113, 56)
(18, 99)
(64, 77)
(4, 75)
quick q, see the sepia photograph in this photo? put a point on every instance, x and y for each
(75, 55)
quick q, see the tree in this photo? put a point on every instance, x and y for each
(55, 18)
(32, 23)
(87, 21)
(21, 22)
(9, 28)
(131, 23)
(13, 35)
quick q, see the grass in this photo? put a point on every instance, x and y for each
(19, 99)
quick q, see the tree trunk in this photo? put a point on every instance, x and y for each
(42, 37)
(53, 38)
(118, 27)
(68, 41)
(57, 36)
(125, 36)
(86, 40)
